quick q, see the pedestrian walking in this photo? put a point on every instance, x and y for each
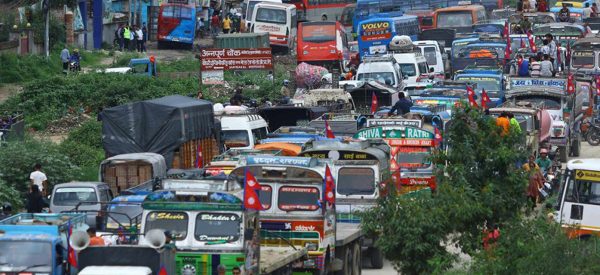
(140, 40)
(64, 57)
(35, 200)
(227, 24)
(38, 178)
(214, 25)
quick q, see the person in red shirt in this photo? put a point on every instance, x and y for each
(215, 24)
(594, 12)
(542, 6)
(95, 240)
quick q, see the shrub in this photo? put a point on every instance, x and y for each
(10, 194)
(18, 158)
(88, 134)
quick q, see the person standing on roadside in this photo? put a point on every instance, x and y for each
(38, 178)
(214, 25)
(64, 57)
(226, 24)
(126, 37)
(140, 40)
(145, 32)
(35, 200)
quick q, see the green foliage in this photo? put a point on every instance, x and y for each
(84, 144)
(46, 100)
(19, 69)
(188, 64)
(538, 246)
(123, 59)
(8, 20)
(57, 29)
(10, 194)
(480, 185)
(18, 158)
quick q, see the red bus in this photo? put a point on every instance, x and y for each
(316, 10)
(323, 44)
(425, 18)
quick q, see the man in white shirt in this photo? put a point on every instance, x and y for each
(38, 178)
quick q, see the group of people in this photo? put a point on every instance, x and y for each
(70, 61)
(543, 64)
(532, 6)
(231, 23)
(536, 168)
(507, 122)
(132, 38)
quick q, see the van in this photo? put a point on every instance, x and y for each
(413, 66)
(279, 20)
(89, 197)
(384, 69)
(243, 131)
(248, 8)
(434, 55)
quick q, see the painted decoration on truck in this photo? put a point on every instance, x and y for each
(546, 82)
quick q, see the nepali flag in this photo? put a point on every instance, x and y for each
(523, 43)
(438, 137)
(328, 131)
(199, 158)
(251, 185)
(471, 95)
(570, 84)
(485, 99)
(329, 186)
(71, 255)
(531, 42)
(597, 78)
(506, 33)
(395, 168)
(374, 103)
(568, 53)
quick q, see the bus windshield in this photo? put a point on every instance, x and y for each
(236, 138)
(275, 16)
(492, 87)
(298, 198)
(414, 157)
(548, 102)
(217, 227)
(356, 181)
(582, 191)
(173, 221)
(383, 77)
(454, 19)
(347, 15)
(318, 32)
(177, 12)
(124, 214)
(408, 69)
(583, 59)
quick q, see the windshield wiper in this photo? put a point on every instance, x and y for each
(32, 266)
(284, 239)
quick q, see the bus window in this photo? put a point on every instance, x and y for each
(318, 32)
(422, 68)
(408, 69)
(427, 21)
(581, 191)
(430, 55)
(271, 16)
(454, 19)
(176, 222)
(583, 59)
(347, 15)
(356, 181)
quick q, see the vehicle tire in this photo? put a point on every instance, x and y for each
(376, 258)
(576, 149)
(593, 137)
(346, 262)
(564, 153)
(356, 260)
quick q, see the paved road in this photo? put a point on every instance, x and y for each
(588, 151)
(386, 270)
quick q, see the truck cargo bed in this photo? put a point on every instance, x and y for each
(346, 233)
(273, 258)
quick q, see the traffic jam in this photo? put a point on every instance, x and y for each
(278, 188)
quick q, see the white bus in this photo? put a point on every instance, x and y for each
(248, 8)
(579, 197)
(279, 20)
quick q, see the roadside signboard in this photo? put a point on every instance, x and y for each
(394, 122)
(236, 59)
(544, 82)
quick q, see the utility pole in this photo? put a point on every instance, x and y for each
(46, 10)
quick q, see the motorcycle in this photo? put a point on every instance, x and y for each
(591, 132)
(74, 66)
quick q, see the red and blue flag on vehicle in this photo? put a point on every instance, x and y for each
(374, 103)
(328, 131)
(485, 99)
(597, 80)
(329, 183)
(251, 185)
(471, 95)
(71, 255)
(531, 41)
(570, 84)
(199, 158)
(508, 49)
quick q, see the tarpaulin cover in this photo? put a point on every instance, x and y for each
(309, 76)
(120, 256)
(158, 126)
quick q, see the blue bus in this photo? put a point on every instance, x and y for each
(375, 35)
(176, 24)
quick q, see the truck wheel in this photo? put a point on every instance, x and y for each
(576, 149)
(564, 153)
(376, 258)
(356, 260)
(346, 262)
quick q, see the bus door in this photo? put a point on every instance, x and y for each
(580, 203)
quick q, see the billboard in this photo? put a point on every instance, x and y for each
(237, 59)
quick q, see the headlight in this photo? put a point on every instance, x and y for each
(311, 246)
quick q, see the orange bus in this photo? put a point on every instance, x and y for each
(460, 18)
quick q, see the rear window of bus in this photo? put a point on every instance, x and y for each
(318, 32)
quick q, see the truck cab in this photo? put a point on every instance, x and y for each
(209, 229)
(137, 66)
(43, 235)
(491, 79)
(242, 130)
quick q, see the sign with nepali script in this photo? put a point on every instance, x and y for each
(236, 59)
(546, 82)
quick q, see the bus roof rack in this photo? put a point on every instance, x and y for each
(379, 58)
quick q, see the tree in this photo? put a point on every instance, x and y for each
(481, 184)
